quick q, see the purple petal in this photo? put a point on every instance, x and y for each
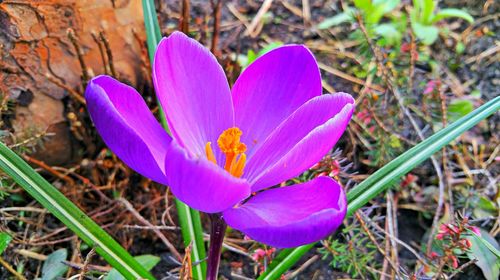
(127, 126)
(300, 141)
(291, 216)
(193, 91)
(202, 184)
(271, 88)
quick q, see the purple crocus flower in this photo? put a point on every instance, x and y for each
(228, 147)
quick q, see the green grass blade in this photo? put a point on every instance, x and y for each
(192, 234)
(189, 219)
(418, 149)
(283, 261)
(153, 32)
(380, 180)
(68, 213)
(398, 167)
(5, 239)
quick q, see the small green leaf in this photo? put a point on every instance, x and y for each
(475, 93)
(389, 32)
(460, 48)
(388, 5)
(417, 6)
(450, 13)
(336, 20)
(486, 204)
(252, 56)
(427, 11)
(53, 266)
(378, 9)
(428, 34)
(147, 261)
(269, 47)
(374, 14)
(481, 250)
(459, 108)
(4, 241)
(394, 142)
(365, 5)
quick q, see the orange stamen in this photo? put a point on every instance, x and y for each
(230, 145)
(229, 141)
(210, 153)
(237, 168)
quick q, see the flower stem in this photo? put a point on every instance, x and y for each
(217, 231)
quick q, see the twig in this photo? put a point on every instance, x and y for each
(296, 11)
(386, 252)
(49, 169)
(152, 228)
(90, 266)
(86, 182)
(386, 129)
(306, 12)
(400, 242)
(109, 53)
(26, 209)
(138, 216)
(444, 115)
(461, 268)
(479, 22)
(101, 52)
(349, 77)
(251, 30)
(166, 213)
(11, 269)
(487, 53)
(79, 53)
(238, 15)
(216, 8)
(186, 271)
(239, 277)
(71, 91)
(85, 266)
(184, 19)
(391, 222)
(374, 241)
(413, 59)
(30, 254)
(301, 268)
(368, 83)
(227, 244)
(407, 113)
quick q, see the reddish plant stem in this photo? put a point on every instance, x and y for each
(217, 232)
(185, 15)
(216, 8)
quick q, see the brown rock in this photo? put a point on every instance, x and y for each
(34, 43)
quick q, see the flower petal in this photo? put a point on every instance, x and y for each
(127, 126)
(291, 216)
(271, 88)
(300, 141)
(202, 184)
(193, 91)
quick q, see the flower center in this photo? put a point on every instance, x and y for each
(229, 143)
